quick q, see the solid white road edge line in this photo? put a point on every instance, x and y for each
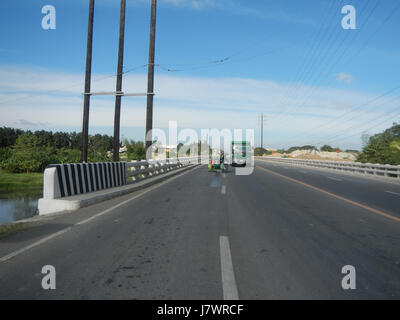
(397, 194)
(15, 253)
(58, 233)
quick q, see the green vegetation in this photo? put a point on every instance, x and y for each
(9, 228)
(327, 148)
(136, 150)
(352, 151)
(301, 148)
(258, 152)
(28, 152)
(24, 154)
(383, 147)
(20, 181)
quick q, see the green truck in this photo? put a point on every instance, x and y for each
(241, 153)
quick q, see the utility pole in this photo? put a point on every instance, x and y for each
(150, 77)
(262, 130)
(117, 115)
(86, 101)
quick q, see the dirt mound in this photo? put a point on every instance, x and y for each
(318, 155)
(323, 155)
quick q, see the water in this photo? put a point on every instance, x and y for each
(18, 205)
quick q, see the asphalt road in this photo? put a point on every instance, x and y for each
(279, 233)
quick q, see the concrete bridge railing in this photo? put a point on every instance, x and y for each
(139, 170)
(68, 187)
(64, 180)
(379, 170)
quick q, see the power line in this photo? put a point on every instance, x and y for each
(74, 85)
(308, 59)
(351, 109)
(387, 19)
(386, 115)
(313, 89)
(346, 48)
(369, 128)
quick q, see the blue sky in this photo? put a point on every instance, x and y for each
(290, 59)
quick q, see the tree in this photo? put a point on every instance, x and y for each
(45, 138)
(24, 151)
(307, 147)
(365, 139)
(8, 136)
(65, 155)
(395, 146)
(352, 151)
(98, 145)
(5, 154)
(61, 140)
(76, 140)
(135, 150)
(258, 152)
(28, 155)
(383, 147)
(328, 148)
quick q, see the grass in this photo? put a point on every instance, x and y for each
(7, 229)
(20, 181)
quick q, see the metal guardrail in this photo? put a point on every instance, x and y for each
(382, 170)
(140, 170)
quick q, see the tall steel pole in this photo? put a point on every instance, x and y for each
(117, 115)
(150, 78)
(262, 130)
(86, 101)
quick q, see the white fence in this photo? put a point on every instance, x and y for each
(64, 180)
(148, 168)
(382, 170)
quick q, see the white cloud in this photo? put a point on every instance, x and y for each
(344, 77)
(196, 4)
(30, 95)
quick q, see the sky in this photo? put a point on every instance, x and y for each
(219, 64)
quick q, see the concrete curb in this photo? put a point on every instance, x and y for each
(73, 203)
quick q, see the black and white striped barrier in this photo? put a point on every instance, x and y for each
(63, 180)
(68, 187)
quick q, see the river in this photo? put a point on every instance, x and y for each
(18, 205)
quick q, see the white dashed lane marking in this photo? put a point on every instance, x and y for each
(336, 179)
(229, 287)
(223, 189)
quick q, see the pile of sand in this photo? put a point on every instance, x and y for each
(323, 155)
(318, 155)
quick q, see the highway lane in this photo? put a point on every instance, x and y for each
(161, 246)
(289, 241)
(373, 192)
(284, 240)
